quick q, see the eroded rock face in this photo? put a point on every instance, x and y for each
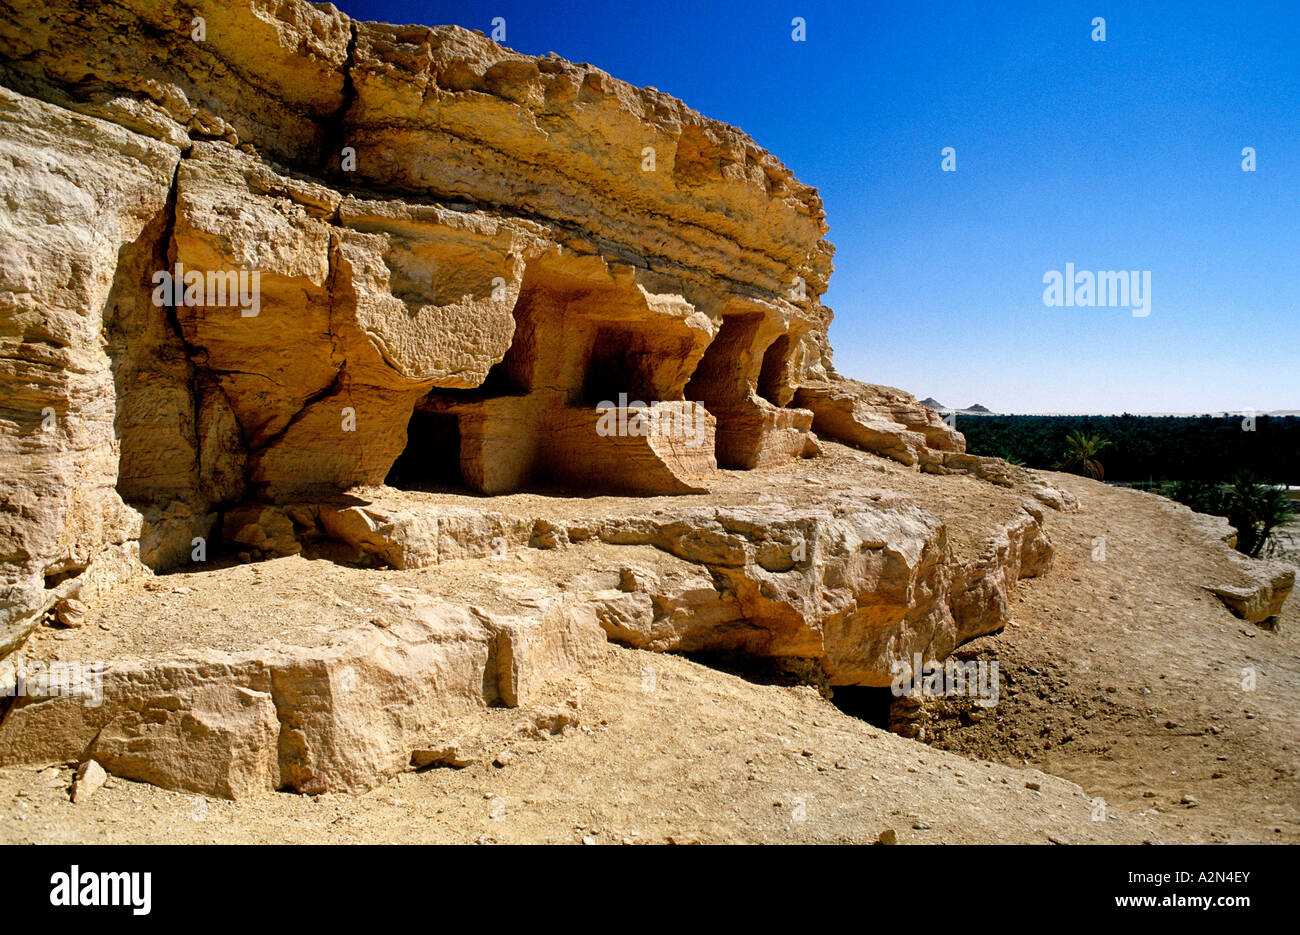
(83, 205)
(341, 717)
(854, 588)
(859, 584)
(259, 258)
(892, 423)
(880, 419)
(1261, 599)
(405, 239)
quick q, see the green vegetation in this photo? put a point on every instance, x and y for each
(1081, 452)
(1148, 448)
(1255, 509)
(1209, 463)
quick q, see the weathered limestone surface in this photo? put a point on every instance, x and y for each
(892, 423)
(856, 587)
(82, 204)
(880, 419)
(859, 583)
(341, 717)
(419, 259)
(1259, 588)
(459, 250)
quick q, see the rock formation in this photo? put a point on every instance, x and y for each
(261, 259)
(457, 249)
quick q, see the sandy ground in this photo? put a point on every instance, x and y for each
(1125, 676)
(1121, 675)
(665, 751)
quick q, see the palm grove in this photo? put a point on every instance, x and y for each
(1227, 465)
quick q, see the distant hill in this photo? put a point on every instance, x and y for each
(975, 410)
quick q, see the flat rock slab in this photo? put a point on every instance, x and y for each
(320, 676)
(742, 763)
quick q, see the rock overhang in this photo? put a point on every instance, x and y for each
(522, 268)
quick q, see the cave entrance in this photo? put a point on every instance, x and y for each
(431, 459)
(722, 383)
(866, 703)
(621, 362)
(770, 386)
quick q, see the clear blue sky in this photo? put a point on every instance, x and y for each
(1117, 155)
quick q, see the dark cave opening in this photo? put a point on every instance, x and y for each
(431, 459)
(769, 380)
(865, 703)
(620, 362)
(721, 384)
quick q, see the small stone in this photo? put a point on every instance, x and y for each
(1189, 801)
(1032, 786)
(90, 779)
(551, 723)
(887, 837)
(920, 825)
(447, 755)
(70, 612)
(503, 759)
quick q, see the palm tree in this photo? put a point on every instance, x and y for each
(1081, 451)
(1256, 510)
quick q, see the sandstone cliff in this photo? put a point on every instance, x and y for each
(441, 228)
(250, 277)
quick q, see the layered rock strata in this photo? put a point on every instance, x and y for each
(260, 258)
(383, 241)
(471, 606)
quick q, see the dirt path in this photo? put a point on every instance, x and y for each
(1125, 676)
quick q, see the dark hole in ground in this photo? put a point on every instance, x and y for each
(868, 704)
(865, 703)
(431, 459)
